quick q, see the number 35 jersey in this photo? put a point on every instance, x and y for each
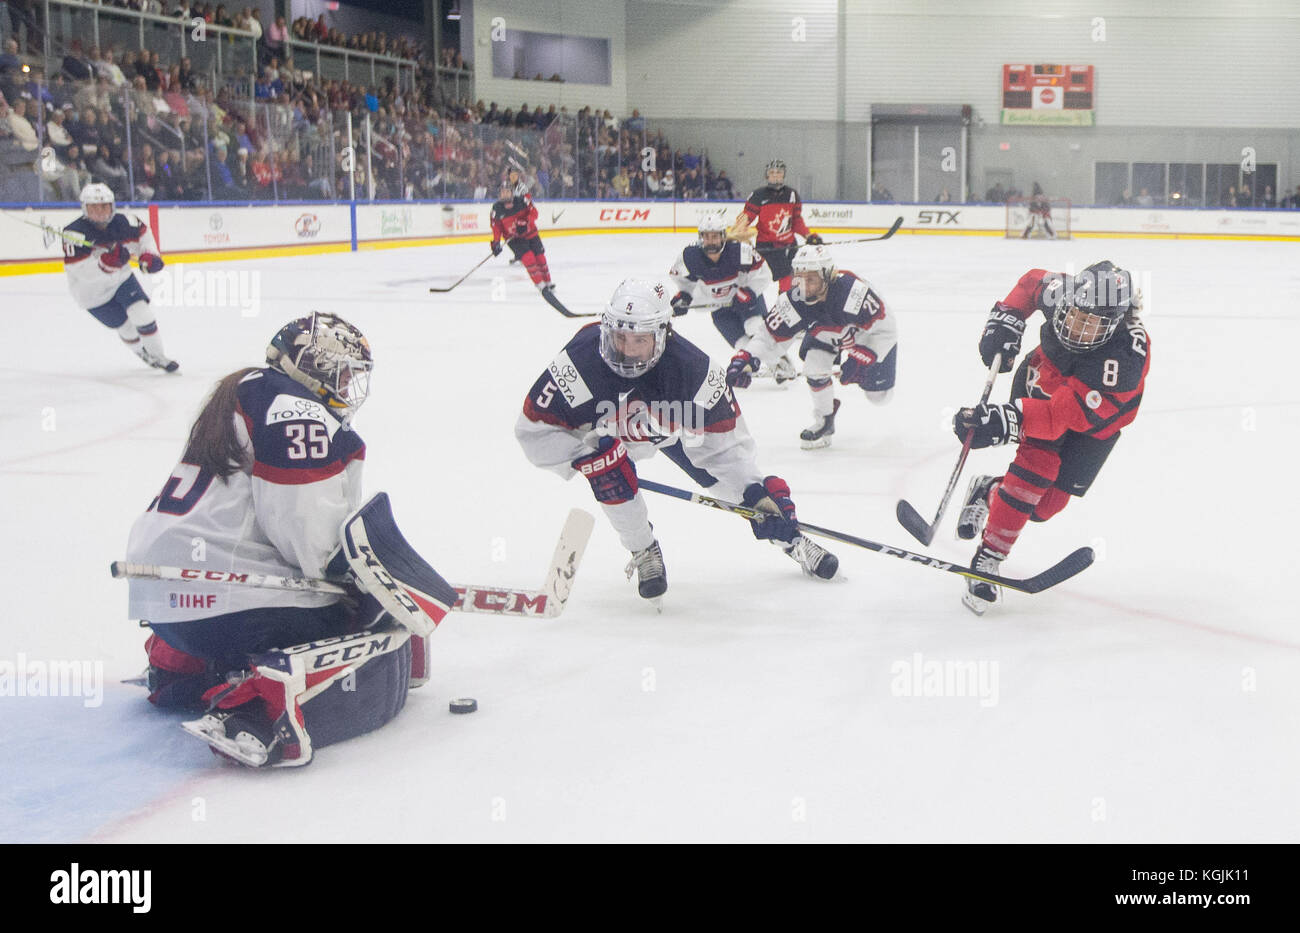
(280, 514)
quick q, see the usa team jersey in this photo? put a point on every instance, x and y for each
(739, 266)
(777, 213)
(279, 515)
(683, 398)
(1096, 392)
(93, 284)
(515, 217)
(851, 314)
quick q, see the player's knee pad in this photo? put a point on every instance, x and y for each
(1052, 502)
(388, 568)
(127, 331)
(309, 696)
(878, 398)
(177, 680)
(818, 383)
(142, 317)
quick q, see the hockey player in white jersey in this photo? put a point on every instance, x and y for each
(270, 473)
(627, 387)
(731, 274)
(97, 250)
(840, 316)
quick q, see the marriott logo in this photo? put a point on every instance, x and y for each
(87, 886)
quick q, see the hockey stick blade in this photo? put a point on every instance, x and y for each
(1058, 572)
(463, 277)
(871, 239)
(555, 303)
(913, 523)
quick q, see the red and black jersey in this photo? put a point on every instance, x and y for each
(777, 214)
(514, 218)
(1096, 392)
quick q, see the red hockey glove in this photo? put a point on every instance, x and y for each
(993, 425)
(115, 258)
(150, 263)
(853, 366)
(741, 371)
(744, 295)
(772, 495)
(610, 472)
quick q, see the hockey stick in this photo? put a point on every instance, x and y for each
(76, 239)
(555, 303)
(907, 515)
(465, 276)
(546, 602)
(871, 239)
(1058, 572)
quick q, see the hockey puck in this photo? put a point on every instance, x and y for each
(463, 705)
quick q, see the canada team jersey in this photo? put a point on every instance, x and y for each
(739, 266)
(279, 515)
(92, 283)
(777, 214)
(683, 398)
(515, 217)
(1096, 392)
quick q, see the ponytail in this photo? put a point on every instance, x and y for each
(213, 444)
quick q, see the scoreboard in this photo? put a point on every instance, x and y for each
(1047, 95)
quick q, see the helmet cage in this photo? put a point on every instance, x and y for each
(328, 356)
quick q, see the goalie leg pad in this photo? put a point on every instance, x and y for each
(388, 568)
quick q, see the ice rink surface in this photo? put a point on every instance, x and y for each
(1155, 697)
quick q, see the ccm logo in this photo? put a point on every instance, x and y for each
(501, 601)
(213, 575)
(624, 213)
(611, 457)
(937, 217)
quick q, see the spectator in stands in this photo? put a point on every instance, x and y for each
(1294, 201)
(943, 197)
(76, 64)
(255, 25)
(108, 68)
(10, 63)
(274, 39)
(621, 184)
(107, 167)
(1244, 197)
(881, 194)
(1266, 199)
(722, 190)
(1144, 199)
(21, 128)
(170, 184)
(56, 133)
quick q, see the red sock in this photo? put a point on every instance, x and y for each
(1015, 498)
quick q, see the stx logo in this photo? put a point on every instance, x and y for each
(624, 213)
(515, 602)
(937, 217)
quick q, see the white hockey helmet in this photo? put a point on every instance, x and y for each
(97, 193)
(713, 223)
(327, 355)
(811, 259)
(638, 307)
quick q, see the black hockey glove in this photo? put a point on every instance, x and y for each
(741, 371)
(496, 247)
(993, 425)
(1002, 333)
(773, 496)
(681, 304)
(813, 239)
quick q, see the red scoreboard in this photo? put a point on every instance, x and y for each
(1047, 95)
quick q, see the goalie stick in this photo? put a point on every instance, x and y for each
(907, 515)
(546, 602)
(1059, 572)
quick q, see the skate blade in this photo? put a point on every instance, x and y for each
(223, 745)
(815, 445)
(974, 603)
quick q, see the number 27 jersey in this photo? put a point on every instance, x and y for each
(279, 515)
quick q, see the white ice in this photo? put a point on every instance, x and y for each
(1153, 698)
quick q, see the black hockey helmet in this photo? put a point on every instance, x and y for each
(776, 165)
(1089, 307)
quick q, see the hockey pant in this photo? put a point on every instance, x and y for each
(819, 358)
(778, 258)
(128, 313)
(532, 254)
(733, 321)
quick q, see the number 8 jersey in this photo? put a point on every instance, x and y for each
(280, 514)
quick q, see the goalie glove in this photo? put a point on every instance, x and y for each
(741, 371)
(993, 425)
(610, 472)
(772, 495)
(1002, 333)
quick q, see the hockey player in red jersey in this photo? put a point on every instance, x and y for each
(97, 251)
(776, 213)
(514, 219)
(1069, 400)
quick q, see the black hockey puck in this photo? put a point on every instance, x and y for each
(463, 705)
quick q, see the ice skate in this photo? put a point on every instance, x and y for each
(236, 736)
(975, 510)
(158, 361)
(819, 434)
(784, 371)
(980, 595)
(652, 577)
(815, 560)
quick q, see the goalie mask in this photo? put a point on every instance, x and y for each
(634, 327)
(327, 355)
(713, 235)
(1091, 306)
(811, 274)
(93, 195)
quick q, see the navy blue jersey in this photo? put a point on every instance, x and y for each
(738, 266)
(849, 302)
(296, 437)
